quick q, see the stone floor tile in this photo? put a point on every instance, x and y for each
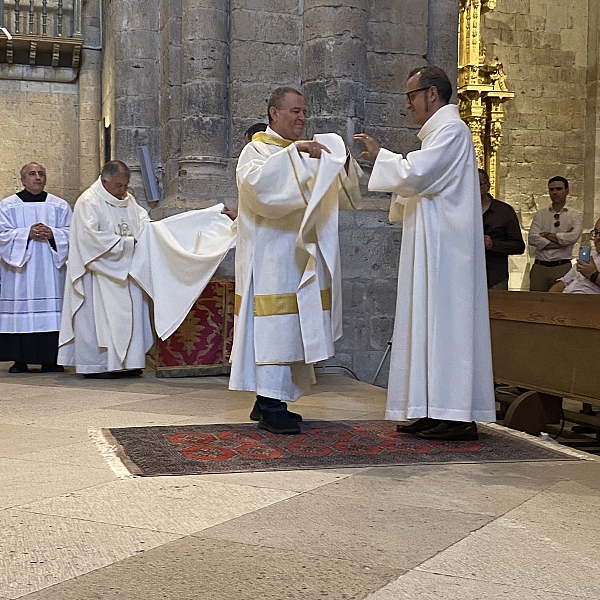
(29, 481)
(187, 403)
(37, 551)
(343, 401)
(544, 556)
(358, 527)
(417, 585)
(201, 569)
(296, 481)
(105, 417)
(569, 503)
(18, 440)
(175, 504)
(46, 408)
(441, 487)
(83, 454)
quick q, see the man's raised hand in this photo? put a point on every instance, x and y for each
(372, 145)
(313, 149)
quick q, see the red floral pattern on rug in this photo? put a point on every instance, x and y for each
(196, 449)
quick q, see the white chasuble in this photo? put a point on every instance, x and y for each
(32, 273)
(105, 323)
(288, 282)
(441, 364)
(175, 258)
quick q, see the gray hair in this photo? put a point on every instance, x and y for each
(24, 168)
(277, 96)
(114, 167)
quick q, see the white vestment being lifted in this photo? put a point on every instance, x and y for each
(441, 356)
(105, 323)
(288, 283)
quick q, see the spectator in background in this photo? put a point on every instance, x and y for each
(554, 231)
(502, 235)
(583, 277)
(252, 130)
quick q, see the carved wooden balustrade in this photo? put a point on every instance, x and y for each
(44, 33)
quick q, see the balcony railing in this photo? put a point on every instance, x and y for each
(44, 33)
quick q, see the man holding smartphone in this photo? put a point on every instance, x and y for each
(554, 231)
(583, 276)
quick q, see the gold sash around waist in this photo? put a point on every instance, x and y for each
(268, 305)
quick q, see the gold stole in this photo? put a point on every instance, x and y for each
(273, 140)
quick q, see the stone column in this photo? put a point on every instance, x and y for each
(90, 99)
(170, 98)
(442, 44)
(266, 53)
(334, 66)
(397, 43)
(136, 80)
(204, 102)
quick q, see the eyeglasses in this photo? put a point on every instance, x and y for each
(557, 219)
(595, 232)
(414, 92)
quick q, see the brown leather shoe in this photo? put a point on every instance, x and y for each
(419, 425)
(463, 432)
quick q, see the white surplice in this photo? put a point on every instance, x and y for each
(175, 258)
(106, 321)
(288, 282)
(441, 364)
(32, 272)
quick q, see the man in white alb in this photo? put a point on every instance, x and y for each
(34, 241)
(288, 284)
(105, 330)
(554, 231)
(441, 367)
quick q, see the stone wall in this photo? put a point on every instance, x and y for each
(40, 122)
(51, 115)
(549, 51)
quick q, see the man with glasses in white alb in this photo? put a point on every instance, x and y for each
(554, 231)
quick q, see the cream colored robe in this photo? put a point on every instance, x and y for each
(288, 283)
(441, 364)
(175, 258)
(105, 322)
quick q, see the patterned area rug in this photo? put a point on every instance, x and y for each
(235, 448)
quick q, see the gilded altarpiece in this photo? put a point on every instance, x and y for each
(482, 89)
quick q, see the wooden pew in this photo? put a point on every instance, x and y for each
(549, 344)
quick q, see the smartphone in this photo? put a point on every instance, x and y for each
(584, 253)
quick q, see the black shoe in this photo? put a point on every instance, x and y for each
(19, 367)
(418, 425)
(105, 375)
(255, 414)
(52, 369)
(130, 373)
(278, 422)
(583, 429)
(114, 374)
(451, 431)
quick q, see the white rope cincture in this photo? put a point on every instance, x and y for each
(108, 451)
(554, 445)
